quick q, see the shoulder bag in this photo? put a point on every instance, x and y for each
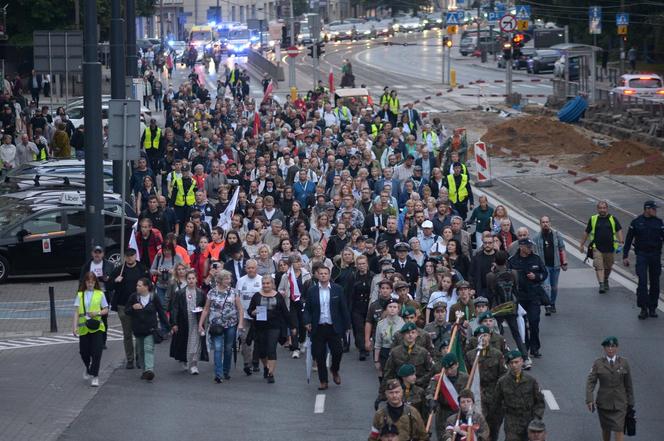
(91, 323)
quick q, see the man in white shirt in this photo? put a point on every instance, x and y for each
(248, 285)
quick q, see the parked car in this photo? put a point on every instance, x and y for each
(76, 114)
(408, 23)
(640, 85)
(73, 169)
(542, 60)
(339, 30)
(44, 232)
(434, 20)
(521, 62)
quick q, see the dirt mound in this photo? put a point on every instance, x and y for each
(539, 135)
(621, 153)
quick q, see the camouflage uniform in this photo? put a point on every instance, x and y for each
(481, 433)
(522, 401)
(492, 367)
(423, 339)
(496, 341)
(439, 334)
(414, 395)
(410, 424)
(415, 355)
(444, 411)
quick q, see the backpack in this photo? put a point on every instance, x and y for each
(505, 293)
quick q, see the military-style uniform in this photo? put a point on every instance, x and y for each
(415, 355)
(423, 339)
(492, 367)
(522, 401)
(496, 341)
(410, 424)
(468, 310)
(444, 411)
(415, 396)
(481, 431)
(615, 392)
(439, 334)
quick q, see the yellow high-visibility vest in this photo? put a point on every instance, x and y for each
(457, 195)
(593, 224)
(180, 198)
(394, 104)
(95, 306)
(148, 142)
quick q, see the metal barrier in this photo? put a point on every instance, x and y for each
(263, 65)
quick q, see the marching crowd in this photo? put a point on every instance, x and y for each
(321, 225)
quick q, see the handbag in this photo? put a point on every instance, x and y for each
(630, 422)
(91, 323)
(216, 330)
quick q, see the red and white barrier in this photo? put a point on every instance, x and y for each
(482, 165)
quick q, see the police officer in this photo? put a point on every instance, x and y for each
(647, 232)
(395, 412)
(442, 408)
(491, 364)
(406, 266)
(411, 353)
(615, 396)
(520, 397)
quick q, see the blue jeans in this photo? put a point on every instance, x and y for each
(223, 344)
(161, 293)
(551, 283)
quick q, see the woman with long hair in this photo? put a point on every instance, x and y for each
(271, 317)
(266, 266)
(283, 251)
(319, 258)
(499, 214)
(141, 197)
(232, 238)
(304, 247)
(322, 228)
(187, 345)
(445, 293)
(178, 281)
(296, 216)
(428, 283)
(457, 260)
(252, 243)
(416, 253)
(189, 240)
(91, 305)
(197, 260)
(163, 270)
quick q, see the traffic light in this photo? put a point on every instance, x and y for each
(518, 41)
(507, 51)
(285, 41)
(447, 42)
(320, 46)
(310, 51)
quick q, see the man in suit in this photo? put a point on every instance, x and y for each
(236, 265)
(327, 318)
(413, 116)
(426, 160)
(375, 222)
(387, 178)
(243, 131)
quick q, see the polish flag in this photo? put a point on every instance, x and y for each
(294, 289)
(257, 123)
(330, 79)
(450, 394)
(268, 91)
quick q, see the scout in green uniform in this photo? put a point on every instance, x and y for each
(496, 340)
(457, 425)
(464, 304)
(396, 412)
(520, 397)
(440, 406)
(536, 430)
(492, 366)
(412, 393)
(409, 352)
(438, 329)
(615, 395)
(423, 339)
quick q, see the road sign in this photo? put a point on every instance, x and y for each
(124, 130)
(507, 23)
(58, 52)
(493, 18)
(452, 18)
(453, 29)
(292, 51)
(314, 26)
(622, 30)
(522, 25)
(595, 20)
(522, 12)
(622, 19)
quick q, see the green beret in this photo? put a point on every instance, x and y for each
(406, 370)
(408, 310)
(481, 330)
(408, 327)
(511, 355)
(449, 360)
(610, 341)
(485, 315)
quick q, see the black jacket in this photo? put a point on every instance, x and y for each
(123, 290)
(410, 272)
(144, 321)
(529, 290)
(480, 266)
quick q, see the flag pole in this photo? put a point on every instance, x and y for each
(468, 386)
(442, 370)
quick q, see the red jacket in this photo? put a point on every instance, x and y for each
(154, 244)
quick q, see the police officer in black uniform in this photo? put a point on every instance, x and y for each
(647, 232)
(360, 294)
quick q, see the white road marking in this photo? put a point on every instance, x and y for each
(550, 400)
(319, 406)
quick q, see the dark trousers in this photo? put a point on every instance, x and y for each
(90, 346)
(323, 338)
(532, 330)
(462, 209)
(297, 314)
(358, 317)
(35, 95)
(648, 266)
(514, 329)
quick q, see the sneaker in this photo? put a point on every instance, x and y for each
(527, 364)
(547, 310)
(94, 382)
(296, 354)
(149, 375)
(218, 380)
(86, 375)
(194, 370)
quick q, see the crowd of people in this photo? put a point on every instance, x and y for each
(326, 223)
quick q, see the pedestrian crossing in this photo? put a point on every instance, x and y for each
(31, 342)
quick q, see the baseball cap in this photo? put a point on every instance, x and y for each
(427, 224)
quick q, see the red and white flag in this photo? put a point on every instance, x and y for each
(294, 288)
(449, 393)
(330, 79)
(268, 91)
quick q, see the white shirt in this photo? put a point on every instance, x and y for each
(247, 287)
(611, 359)
(87, 298)
(324, 296)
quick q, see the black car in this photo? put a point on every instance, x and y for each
(43, 232)
(521, 62)
(543, 60)
(74, 169)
